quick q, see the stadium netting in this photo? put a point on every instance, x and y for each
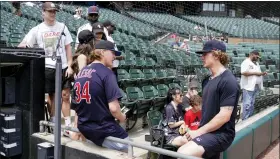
(145, 32)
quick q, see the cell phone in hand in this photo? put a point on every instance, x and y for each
(125, 110)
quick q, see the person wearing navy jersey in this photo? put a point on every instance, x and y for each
(220, 93)
(95, 99)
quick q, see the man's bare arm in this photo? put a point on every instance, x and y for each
(218, 121)
(251, 73)
(68, 54)
(115, 110)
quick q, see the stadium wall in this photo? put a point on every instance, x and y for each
(238, 40)
(250, 141)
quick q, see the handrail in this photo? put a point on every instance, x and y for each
(130, 143)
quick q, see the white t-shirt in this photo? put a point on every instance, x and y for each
(109, 38)
(47, 37)
(249, 82)
(86, 26)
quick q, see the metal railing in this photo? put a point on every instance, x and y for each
(130, 143)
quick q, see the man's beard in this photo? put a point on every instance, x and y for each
(255, 60)
(92, 21)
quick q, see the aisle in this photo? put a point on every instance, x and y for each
(272, 151)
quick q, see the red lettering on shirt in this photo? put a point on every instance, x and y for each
(51, 34)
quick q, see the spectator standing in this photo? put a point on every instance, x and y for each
(98, 31)
(16, 8)
(109, 29)
(78, 13)
(176, 43)
(93, 15)
(46, 35)
(185, 46)
(220, 96)
(251, 82)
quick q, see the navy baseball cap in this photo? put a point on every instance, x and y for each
(107, 45)
(97, 27)
(212, 45)
(93, 10)
(256, 52)
(85, 36)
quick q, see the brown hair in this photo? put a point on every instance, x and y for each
(95, 55)
(195, 100)
(222, 56)
(83, 49)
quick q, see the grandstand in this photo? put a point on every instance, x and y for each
(239, 27)
(150, 68)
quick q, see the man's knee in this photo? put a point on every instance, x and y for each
(115, 145)
(191, 149)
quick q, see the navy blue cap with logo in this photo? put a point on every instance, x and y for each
(107, 45)
(93, 10)
(211, 46)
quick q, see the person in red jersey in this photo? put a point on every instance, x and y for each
(193, 116)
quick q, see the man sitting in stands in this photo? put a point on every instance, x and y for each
(95, 100)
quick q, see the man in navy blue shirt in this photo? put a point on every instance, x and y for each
(220, 98)
(95, 101)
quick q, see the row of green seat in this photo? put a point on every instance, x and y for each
(265, 99)
(171, 22)
(147, 97)
(240, 27)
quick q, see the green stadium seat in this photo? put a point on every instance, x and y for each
(128, 63)
(161, 75)
(132, 106)
(123, 76)
(173, 85)
(150, 63)
(272, 69)
(151, 76)
(140, 62)
(162, 90)
(143, 105)
(157, 135)
(263, 68)
(152, 92)
(138, 77)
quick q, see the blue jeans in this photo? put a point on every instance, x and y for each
(248, 102)
(115, 146)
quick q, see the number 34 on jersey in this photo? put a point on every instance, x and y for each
(82, 92)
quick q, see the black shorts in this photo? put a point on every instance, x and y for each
(50, 80)
(213, 144)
